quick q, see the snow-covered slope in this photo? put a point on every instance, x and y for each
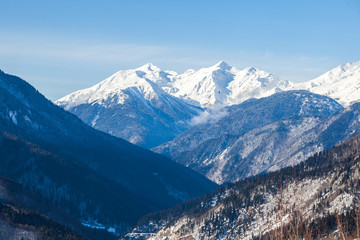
(223, 85)
(131, 104)
(301, 202)
(141, 79)
(341, 83)
(241, 144)
(251, 114)
(267, 148)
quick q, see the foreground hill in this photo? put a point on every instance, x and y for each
(23, 224)
(77, 189)
(318, 198)
(27, 211)
(67, 147)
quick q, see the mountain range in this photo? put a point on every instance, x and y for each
(148, 106)
(168, 103)
(229, 134)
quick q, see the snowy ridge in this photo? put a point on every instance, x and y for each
(216, 86)
(223, 85)
(148, 106)
(132, 105)
(140, 79)
(341, 83)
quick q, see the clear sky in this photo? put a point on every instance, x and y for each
(60, 46)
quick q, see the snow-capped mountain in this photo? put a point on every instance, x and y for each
(142, 79)
(148, 106)
(131, 104)
(341, 83)
(222, 85)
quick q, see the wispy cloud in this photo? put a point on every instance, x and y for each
(74, 50)
(210, 117)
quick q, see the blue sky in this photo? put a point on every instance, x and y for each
(63, 46)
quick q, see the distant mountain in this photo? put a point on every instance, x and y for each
(315, 199)
(148, 106)
(60, 156)
(255, 136)
(216, 140)
(223, 85)
(341, 83)
(131, 104)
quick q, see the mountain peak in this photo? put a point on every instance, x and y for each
(351, 66)
(149, 67)
(251, 69)
(223, 65)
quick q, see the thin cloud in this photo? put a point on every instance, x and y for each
(208, 117)
(75, 50)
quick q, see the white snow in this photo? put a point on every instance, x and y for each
(12, 116)
(223, 85)
(303, 196)
(142, 81)
(94, 224)
(217, 86)
(341, 83)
